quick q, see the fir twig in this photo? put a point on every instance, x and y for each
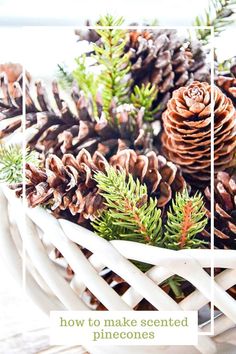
(87, 82)
(186, 219)
(131, 214)
(114, 62)
(143, 97)
(11, 163)
(219, 14)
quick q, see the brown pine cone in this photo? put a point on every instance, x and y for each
(161, 177)
(187, 130)
(70, 133)
(225, 210)
(60, 130)
(162, 58)
(226, 81)
(228, 86)
(67, 187)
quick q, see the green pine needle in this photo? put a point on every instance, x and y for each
(115, 64)
(143, 97)
(186, 219)
(131, 215)
(65, 78)
(86, 81)
(11, 163)
(223, 12)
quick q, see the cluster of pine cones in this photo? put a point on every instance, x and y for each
(73, 145)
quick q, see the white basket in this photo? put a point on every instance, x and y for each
(50, 288)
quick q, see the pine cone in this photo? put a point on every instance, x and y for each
(226, 81)
(161, 177)
(187, 130)
(59, 130)
(66, 185)
(162, 58)
(70, 133)
(225, 210)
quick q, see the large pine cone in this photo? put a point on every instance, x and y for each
(187, 130)
(59, 130)
(162, 58)
(66, 185)
(225, 210)
(67, 132)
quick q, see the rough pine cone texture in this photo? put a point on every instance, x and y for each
(226, 81)
(160, 57)
(225, 210)
(67, 132)
(228, 86)
(161, 177)
(66, 186)
(187, 130)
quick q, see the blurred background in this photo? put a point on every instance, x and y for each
(41, 48)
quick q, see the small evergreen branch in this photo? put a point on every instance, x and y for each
(185, 219)
(86, 81)
(131, 215)
(223, 11)
(65, 78)
(143, 97)
(175, 283)
(114, 62)
(11, 163)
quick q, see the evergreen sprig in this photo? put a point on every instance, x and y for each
(185, 219)
(11, 163)
(144, 96)
(114, 62)
(219, 14)
(64, 76)
(131, 215)
(86, 81)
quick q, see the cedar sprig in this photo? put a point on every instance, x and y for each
(144, 96)
(185, 219)
(11, 163)
(130, 214)
(115, 64)
(219, 14)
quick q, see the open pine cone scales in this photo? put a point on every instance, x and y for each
(226, 81)
(159, 57)
(57, 129)
(67, 184)
(70, 133)
(187, 130)
(225, 210)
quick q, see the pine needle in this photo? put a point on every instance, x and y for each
(11, 163)
(186, 219)
(115, 64)
(131, 215)
(144, 96)
(219, 14)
